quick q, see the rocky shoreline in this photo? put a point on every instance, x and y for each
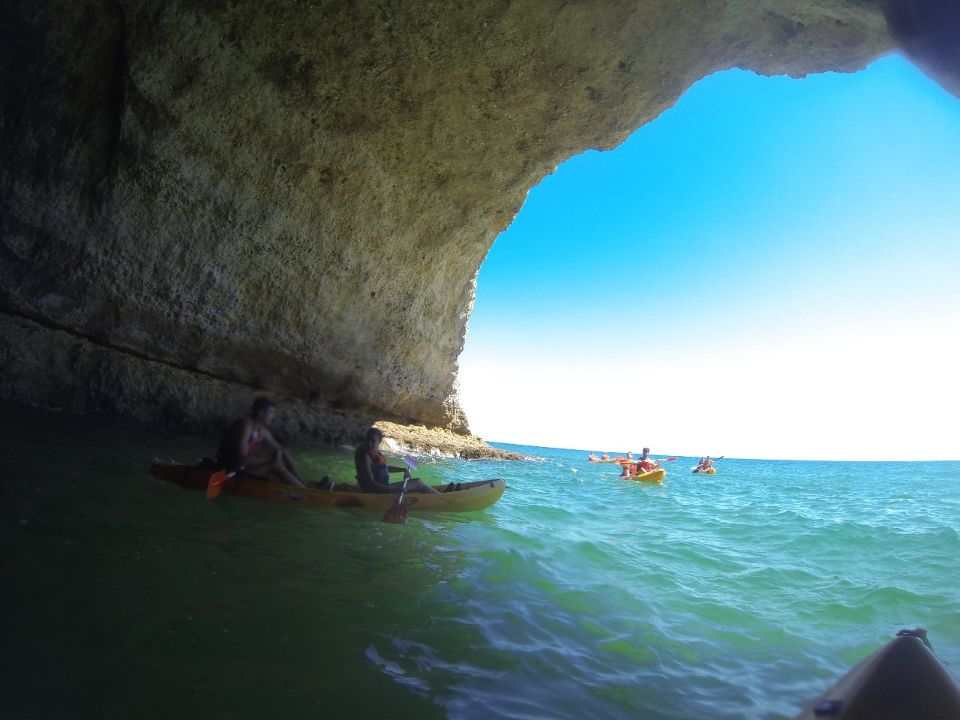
(439, 442)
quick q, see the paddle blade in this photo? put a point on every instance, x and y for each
(215, 484)
(396, 513)
(670, 459)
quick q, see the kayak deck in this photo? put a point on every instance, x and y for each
(465, 498)
(903, 680)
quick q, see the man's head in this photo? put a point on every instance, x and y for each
(262, 410)
(374, 437)
(646, 451)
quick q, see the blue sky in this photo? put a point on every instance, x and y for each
(764, 237)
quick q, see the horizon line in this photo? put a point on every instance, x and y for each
(725, 457)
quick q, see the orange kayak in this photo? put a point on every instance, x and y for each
(463, 497)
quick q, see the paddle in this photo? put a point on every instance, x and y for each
(397, 512)
(215, 484)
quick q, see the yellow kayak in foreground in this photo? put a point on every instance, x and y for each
(461, 497)
(654, 476)
(903, 680)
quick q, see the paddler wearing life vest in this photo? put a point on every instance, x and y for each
(373, 473)
(248, 446)
(646, 464)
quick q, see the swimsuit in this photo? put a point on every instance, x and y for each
(381, 473)
(255, 437)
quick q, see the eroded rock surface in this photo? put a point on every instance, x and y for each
(214, 196)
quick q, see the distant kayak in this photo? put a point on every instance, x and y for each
(462, 497)
(708, 471)
(654, 476)
(903, 680)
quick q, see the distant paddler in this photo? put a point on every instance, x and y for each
(604, 458)
(373, 473)
(705, 465)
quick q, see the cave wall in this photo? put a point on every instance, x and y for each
(295, 195)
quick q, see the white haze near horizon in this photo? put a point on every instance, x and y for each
(879, 384)
(839, 399)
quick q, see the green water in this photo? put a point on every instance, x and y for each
(578, 595)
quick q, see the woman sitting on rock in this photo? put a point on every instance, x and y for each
(373, 473)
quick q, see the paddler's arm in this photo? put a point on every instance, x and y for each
(275, 445)
(244, 439)
(271, 442)
(283, 458)
(413, 483)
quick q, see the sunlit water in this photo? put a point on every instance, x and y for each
(579, 595)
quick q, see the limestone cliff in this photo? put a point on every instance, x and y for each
(295, 195)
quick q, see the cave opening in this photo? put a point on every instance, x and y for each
(784, 250)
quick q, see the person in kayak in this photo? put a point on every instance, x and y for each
(248, 446)
(373, 473)
(646, 464)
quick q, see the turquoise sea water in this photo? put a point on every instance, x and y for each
(578, 595)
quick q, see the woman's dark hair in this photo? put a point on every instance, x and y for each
(374, 434)
(260, 405)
